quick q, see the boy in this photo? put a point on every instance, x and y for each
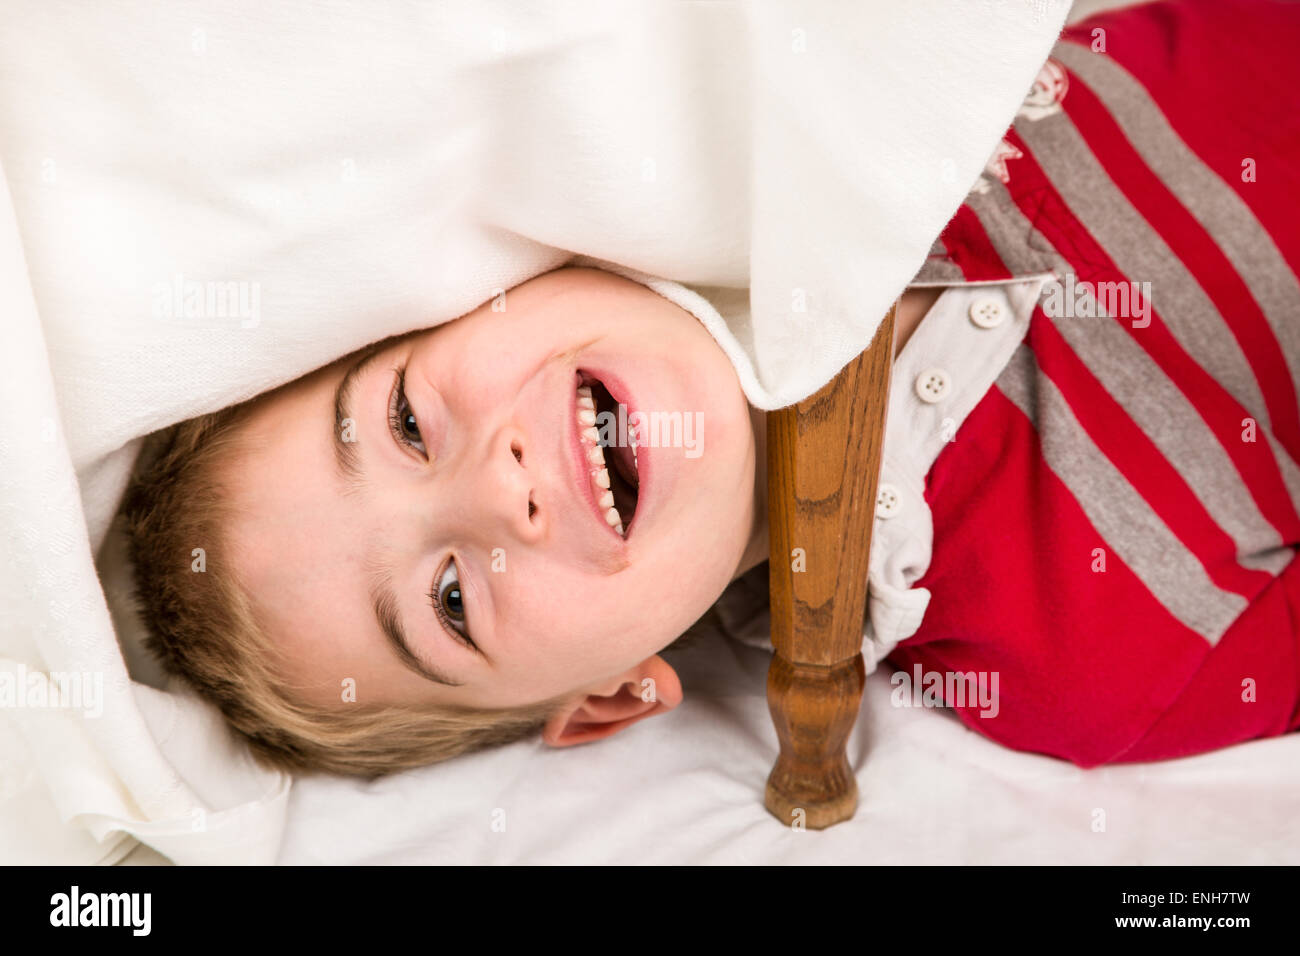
(1089, 486)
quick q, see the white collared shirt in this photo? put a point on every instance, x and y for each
(947, 365)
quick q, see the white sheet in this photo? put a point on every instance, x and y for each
(687, 788)
(360, 171)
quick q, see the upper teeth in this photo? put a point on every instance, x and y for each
(596, 457)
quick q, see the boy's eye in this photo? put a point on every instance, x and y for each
(410, 427)
(450, 595)
(401, 417)
(449, 601)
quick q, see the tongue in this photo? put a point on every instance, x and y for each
(619, 457)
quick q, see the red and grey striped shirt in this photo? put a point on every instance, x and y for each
(1115, 509)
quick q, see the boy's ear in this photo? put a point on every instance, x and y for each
(649, 688)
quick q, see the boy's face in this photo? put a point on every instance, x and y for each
(493, 506)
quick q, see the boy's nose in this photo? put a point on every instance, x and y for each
(511, 487)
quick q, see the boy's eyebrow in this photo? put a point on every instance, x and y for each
(390, 622)
(346, 457)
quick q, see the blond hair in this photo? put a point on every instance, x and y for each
(201, 627)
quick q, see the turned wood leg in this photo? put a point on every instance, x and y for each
(823, 465)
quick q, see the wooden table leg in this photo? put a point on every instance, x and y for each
(823, 467)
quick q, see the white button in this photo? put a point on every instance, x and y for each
(987, 312)
(888, 500)
(933, 384)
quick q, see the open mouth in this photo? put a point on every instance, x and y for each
(611, 453)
